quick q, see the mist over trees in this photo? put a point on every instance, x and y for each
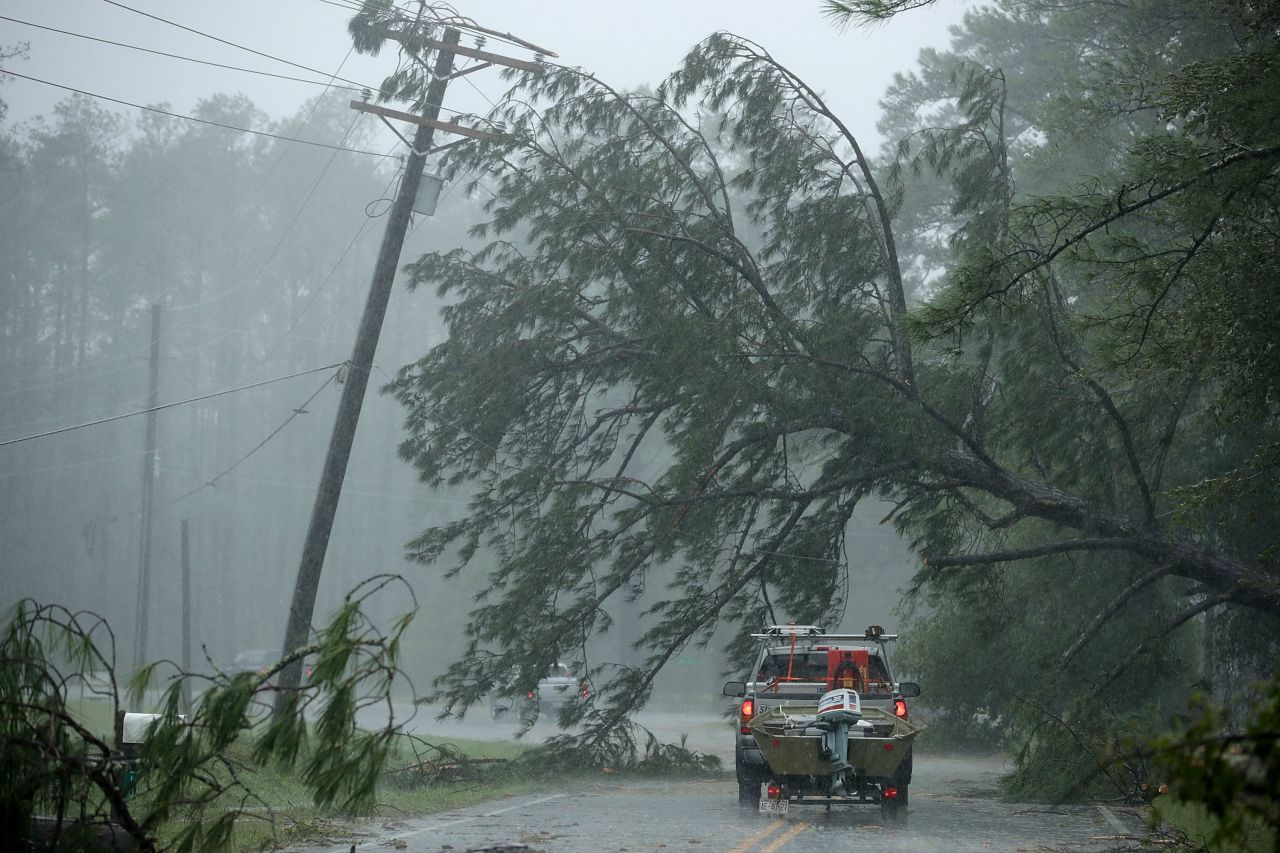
(258, 252)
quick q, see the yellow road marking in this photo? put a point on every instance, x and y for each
(786, 836)
(773, 826)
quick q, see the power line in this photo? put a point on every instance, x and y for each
(320, 288)
(332, 270)
(224, 41)
(98, 460)
(315, 185)
(353, 5)
(227, 333)
(453, 19)
(172, 405)
(191, 118)
(298, 410)
(37, 423)
(356, 5)
(41, 386)
(346, 490)
(183, 58)
(315, 105)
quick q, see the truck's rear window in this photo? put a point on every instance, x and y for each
(812, 667)
(805, 666)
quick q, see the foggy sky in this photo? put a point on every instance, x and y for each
(626, 45)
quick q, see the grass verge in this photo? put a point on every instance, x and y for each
(1201, 829)
(403, 794)
(424, 775)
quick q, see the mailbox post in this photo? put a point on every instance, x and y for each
(131, 733)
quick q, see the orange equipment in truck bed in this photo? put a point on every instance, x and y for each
(847, 669)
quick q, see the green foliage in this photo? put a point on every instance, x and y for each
(191, 768)
(1234, 774)
(378, 21)
(651, 312)
(1192, 826)
(625, 748)
(989, 649)
(1126, 275)
(869, 11)
(686, 356)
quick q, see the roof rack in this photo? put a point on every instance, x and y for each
(868, 637)
(873, 633)
(790, 631)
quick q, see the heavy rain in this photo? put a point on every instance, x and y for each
(569, 426)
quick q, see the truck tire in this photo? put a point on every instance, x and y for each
(749, 778)
(903, 776)
(749, 781)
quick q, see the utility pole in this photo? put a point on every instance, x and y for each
(344, 429)
(186, 615)
(148, 499)
(335, 465)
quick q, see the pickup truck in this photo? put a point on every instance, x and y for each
(797, 665)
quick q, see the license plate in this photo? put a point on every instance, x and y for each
(768, 806)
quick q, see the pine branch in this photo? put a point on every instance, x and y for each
(1110, 610)
(1119, 209)
(1172, 625)
(1090, 544)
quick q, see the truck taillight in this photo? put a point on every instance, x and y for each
(900, 708)
(744, 717)
(529, 695)
(773, 792)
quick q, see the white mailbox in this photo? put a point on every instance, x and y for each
(135, 726)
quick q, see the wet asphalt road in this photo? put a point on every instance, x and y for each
(953, 808)
(947, 814)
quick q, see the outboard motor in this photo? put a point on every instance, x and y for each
(837, 711)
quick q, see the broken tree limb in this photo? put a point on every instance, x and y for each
(947, 561)
(1107, 612)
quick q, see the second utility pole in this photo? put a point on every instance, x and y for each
(298, 630)
(148, 500)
